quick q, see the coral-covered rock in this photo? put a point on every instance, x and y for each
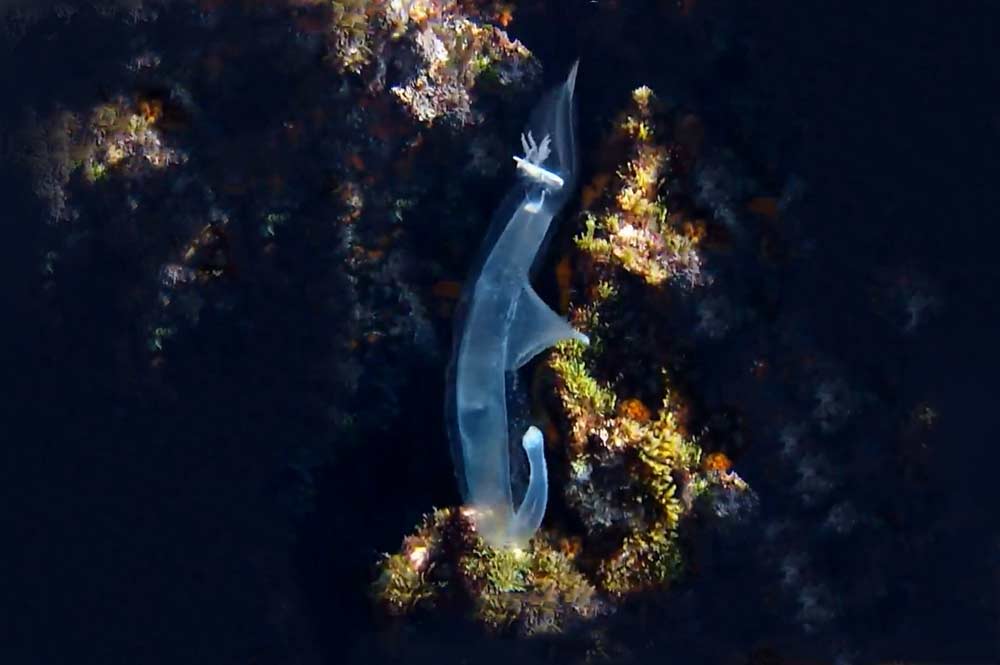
(635, 229)
(532, 591)
(431, 53)
(631, 476)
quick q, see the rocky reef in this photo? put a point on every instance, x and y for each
(632, 478)
(444, 564)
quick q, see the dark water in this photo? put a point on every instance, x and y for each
(214, 514)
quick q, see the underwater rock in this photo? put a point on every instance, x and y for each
(117, 137)
(635, 227)
(531, 591)
(631, 476)
(432, 54)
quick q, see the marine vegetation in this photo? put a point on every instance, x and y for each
(445, 563)
(637, 230)
(631, 477)
(119, 136)
(444, 48)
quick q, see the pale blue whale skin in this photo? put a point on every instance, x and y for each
(501, 323)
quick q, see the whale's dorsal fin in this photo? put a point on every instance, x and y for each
(535, 327)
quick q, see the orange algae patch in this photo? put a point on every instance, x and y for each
(717, 461)
(635, 410)
(694, 230)
(151, 110)
(505, 16)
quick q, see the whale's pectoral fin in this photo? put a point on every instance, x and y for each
(535, 328)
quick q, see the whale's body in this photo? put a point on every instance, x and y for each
(502, 323)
